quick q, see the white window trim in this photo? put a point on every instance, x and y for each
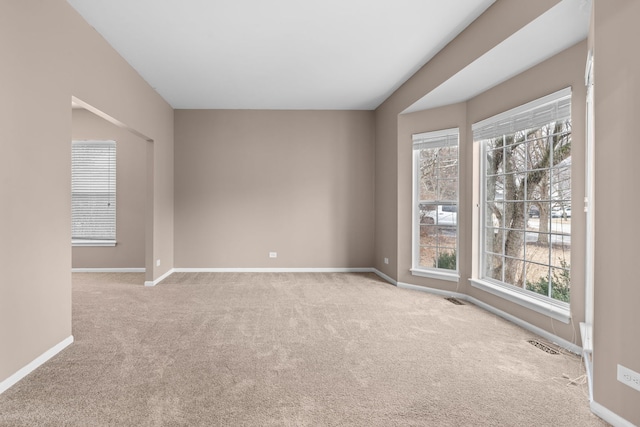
(558, 310)
(416, 269)
(544, 305)
(435, 274)
(81, 242)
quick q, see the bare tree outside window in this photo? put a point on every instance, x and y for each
(436, 200)
(527, 209)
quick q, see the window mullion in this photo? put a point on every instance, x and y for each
(435, 237)
(517, 170)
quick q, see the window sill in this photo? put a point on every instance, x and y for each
(556, 310)
(436, 274)
(93, 242)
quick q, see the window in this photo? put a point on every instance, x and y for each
(525, 200)
(435, 204)
(93, 193)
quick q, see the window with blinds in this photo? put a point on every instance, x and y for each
(555, 107)
(435, 204)
(525, 198)
(93, 192)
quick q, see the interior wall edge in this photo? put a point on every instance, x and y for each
(34, 364)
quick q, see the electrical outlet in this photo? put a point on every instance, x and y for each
(157, 263)
(629, 377)
(273, 254)
(386, 260)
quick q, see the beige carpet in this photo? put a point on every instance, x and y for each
(291, 350)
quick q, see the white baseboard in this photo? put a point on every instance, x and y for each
(159, 279)
(258, 270)
(274, 270)
(609, 416)
(513, 319)
(432, 290)
(384, 276)
(108, 270)
(33, 365)
(574, 348)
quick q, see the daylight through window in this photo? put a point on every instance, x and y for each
(435, 240)
(93, 192)
(526, 197)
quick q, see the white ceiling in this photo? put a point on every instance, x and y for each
(296, 54)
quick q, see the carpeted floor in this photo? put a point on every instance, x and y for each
(276, 349)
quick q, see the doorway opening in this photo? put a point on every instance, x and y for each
(133, 250)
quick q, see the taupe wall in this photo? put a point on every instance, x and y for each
(49, 54)
(35, 171)
(299, 183)
(617, 235)
(130, 195)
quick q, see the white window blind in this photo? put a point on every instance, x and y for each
(93, 190)
(440, 138)
(523, 238)
(435, 204)
(535, 114)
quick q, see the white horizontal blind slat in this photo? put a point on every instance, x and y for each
(441, 138)
(93, 189)
(538, 113)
